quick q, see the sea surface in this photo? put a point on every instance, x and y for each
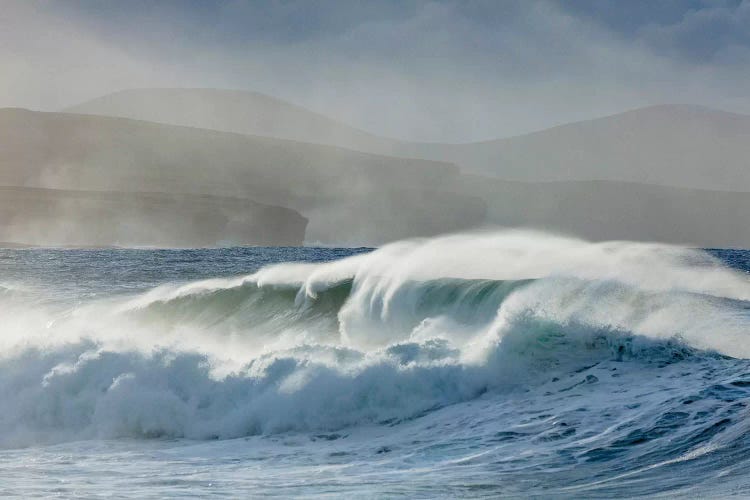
(505, 363)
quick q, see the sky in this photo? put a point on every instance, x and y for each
(449, 71)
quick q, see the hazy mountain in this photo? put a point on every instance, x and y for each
(671, 145)
(349, 197)
(237, 111)
(356, 198)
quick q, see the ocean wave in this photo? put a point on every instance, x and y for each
(377, 338)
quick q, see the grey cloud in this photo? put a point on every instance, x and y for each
(715, 33)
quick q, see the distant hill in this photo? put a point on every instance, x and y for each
(113, 171)
(348, 196)
(237, 111)
(670, 145)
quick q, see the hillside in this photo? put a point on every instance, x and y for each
(237, 111)
(670, 145)
(354, 198)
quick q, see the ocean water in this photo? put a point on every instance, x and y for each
(478, 365)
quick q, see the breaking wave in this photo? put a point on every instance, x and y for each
(377, 338)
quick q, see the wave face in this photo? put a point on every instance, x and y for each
(528, 351)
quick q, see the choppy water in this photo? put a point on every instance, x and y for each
(507, 363)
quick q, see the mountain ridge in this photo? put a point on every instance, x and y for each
(680, 145)
(239, 111)
(356, 198)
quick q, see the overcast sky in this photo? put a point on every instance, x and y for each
(425, 70)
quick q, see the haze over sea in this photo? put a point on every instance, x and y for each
(481, 364)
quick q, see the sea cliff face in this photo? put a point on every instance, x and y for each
(53, 217)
